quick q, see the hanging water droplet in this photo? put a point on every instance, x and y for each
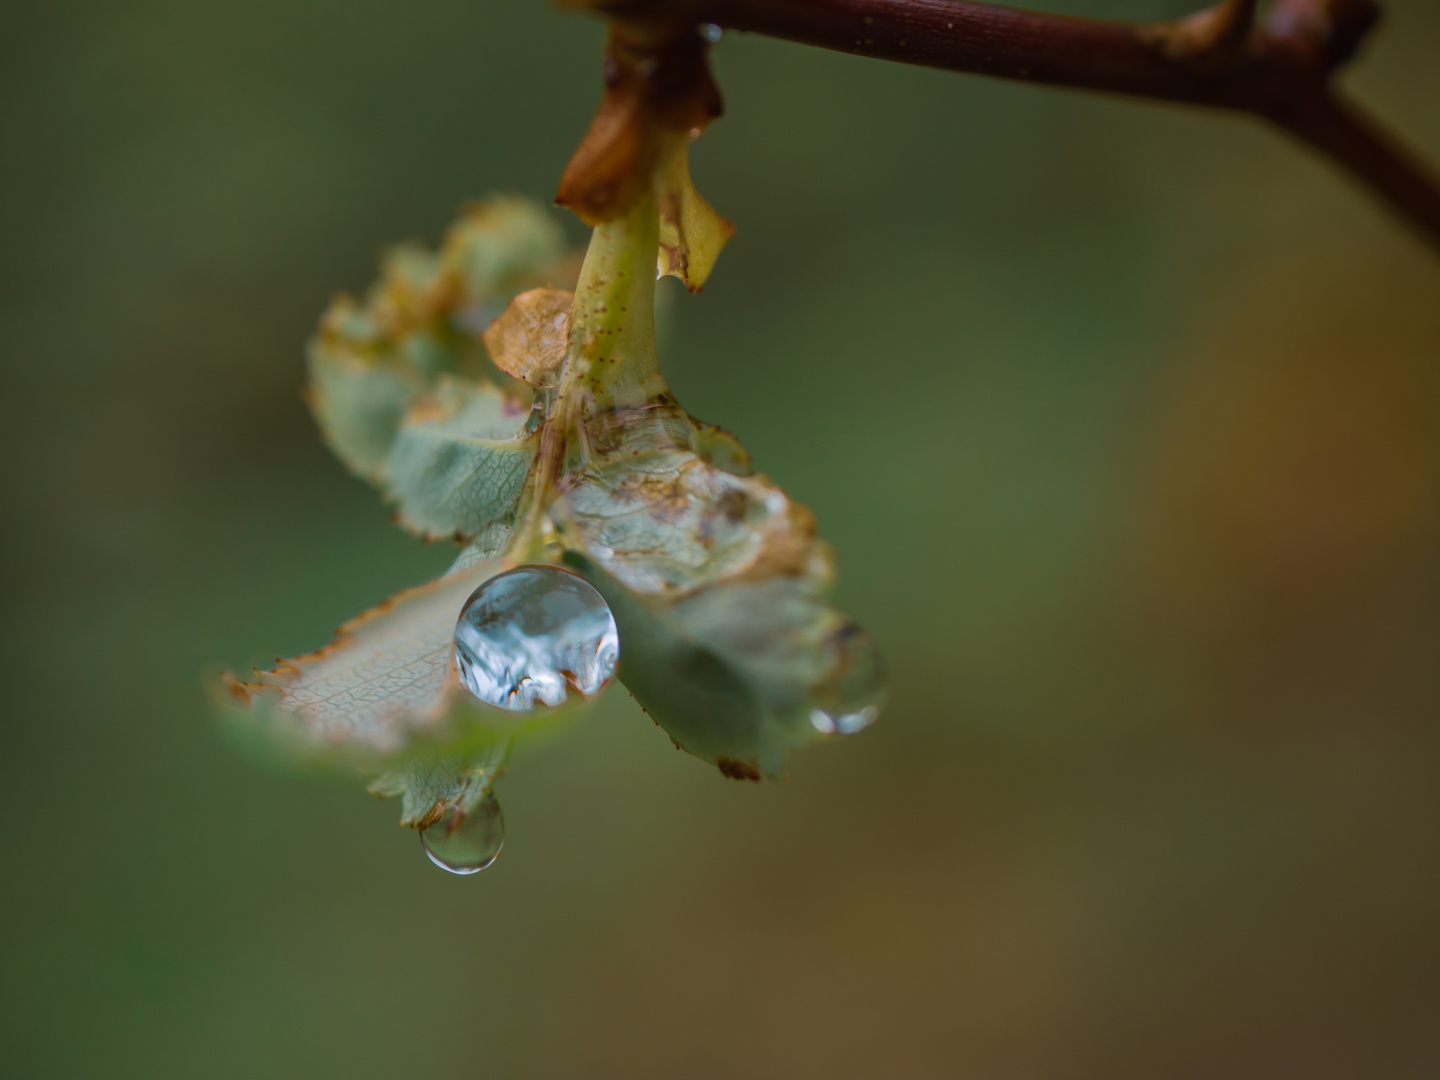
(855, 698)
(843, 723)
(711, 32)
(533, 635)
(466, 843)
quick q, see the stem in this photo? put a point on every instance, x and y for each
(1349, 136)
(612, 331)
(1279, 70)
(611, 367)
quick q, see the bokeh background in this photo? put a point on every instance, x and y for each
(1124, 420)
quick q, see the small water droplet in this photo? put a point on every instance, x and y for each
(467, 843)
(843, 723)
(534, 635)
(711, 32)
(854, 700)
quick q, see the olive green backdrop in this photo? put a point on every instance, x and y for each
(1124, 420)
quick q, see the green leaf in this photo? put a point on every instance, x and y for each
(422, 321)
(502, 246)
(428, 787)
(459, 460)
(715, 576)
(357, 397)
(742, 673)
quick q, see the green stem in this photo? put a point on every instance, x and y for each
(611, 366)
(612, 332)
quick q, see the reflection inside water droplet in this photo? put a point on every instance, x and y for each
(534, 635)
(467, 843)
(843, 723)
(857, 695)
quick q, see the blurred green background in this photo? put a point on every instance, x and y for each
(1124, 420)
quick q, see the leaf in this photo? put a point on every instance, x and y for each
(691, 232)
(422, 320)
(716, 577)
(744, 672)
(716, 582)
(384, 699)
(385, 678)
(459, 460)
(531, 338)
(718, 447)
(501, 246)
(431, 786)
(358, 402)
(660, 519)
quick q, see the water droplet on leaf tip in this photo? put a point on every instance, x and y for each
(533, 636)
(466, 843)
(711, 32)
(843, 723)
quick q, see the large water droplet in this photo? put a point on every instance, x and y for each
(467, 843)
(532, 636)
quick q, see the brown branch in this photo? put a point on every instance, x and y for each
(1279, 69)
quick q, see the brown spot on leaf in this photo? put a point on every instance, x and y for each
(664, 423)
(789, 546)
(664, 498)
(732, 504)
(738, 770)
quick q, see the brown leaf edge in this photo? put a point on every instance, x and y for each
(254, 716)
(659, 94)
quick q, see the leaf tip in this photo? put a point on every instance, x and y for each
(734, 769)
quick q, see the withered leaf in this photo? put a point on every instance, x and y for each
(531, 337)
(385, 692)
(659, 94)
(387, 675)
